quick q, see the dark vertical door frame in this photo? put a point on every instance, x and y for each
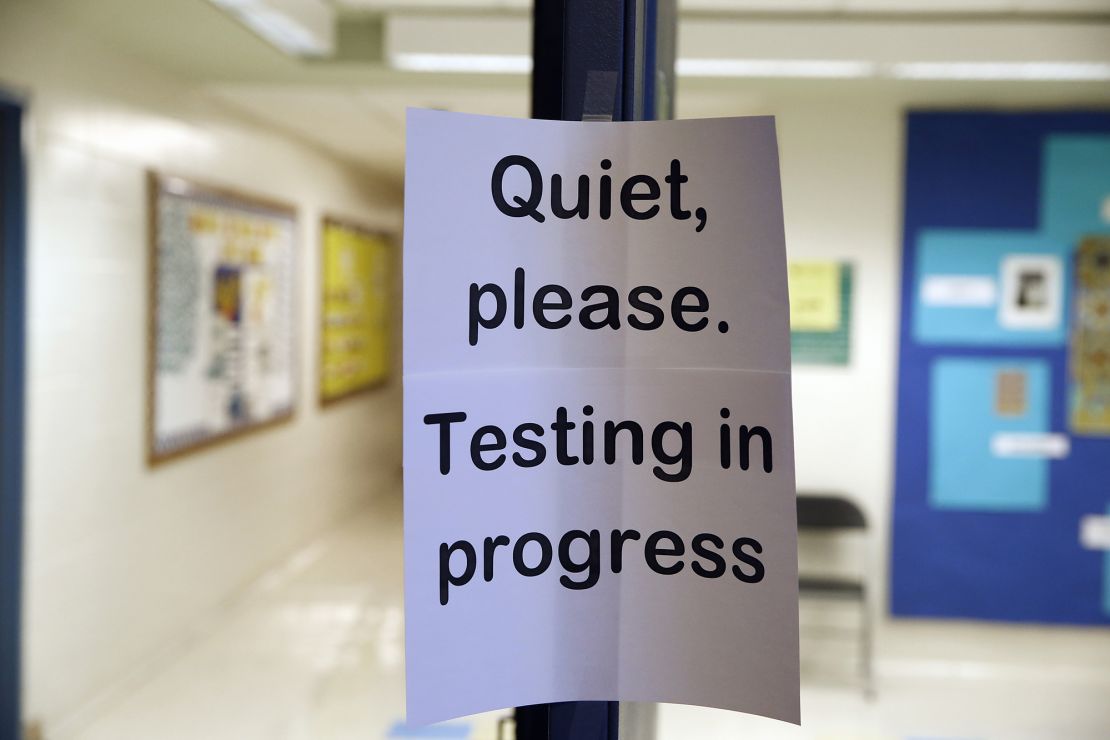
(12, 322)
(597, 60)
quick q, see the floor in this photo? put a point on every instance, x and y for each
(314, 651)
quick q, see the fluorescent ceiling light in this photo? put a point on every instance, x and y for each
(810, 68)
(788, 68)
(303, 28)
(486, 63)
(522, 64)
(1072, 71)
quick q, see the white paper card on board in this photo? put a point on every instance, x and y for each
(959, 291)
(1094, 532)
(1032, 292)
(599, 466)
(1050, 445)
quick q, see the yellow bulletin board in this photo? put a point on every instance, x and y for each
(355, 340)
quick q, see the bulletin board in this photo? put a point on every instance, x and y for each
(1003, 431)
(355, 332)
(221, 319)
(820, 312)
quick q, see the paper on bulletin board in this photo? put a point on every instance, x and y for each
(1032, 292)
(574, 527)
(820, 312)
(1090, 340)
(980, 287)
(355, 339)
(814, 296)
(221, 337)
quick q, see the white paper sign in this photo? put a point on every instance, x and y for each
(599, 463)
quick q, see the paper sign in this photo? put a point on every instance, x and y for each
(599, 466)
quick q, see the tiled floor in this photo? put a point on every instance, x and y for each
(315, 651)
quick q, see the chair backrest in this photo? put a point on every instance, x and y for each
(829, 511)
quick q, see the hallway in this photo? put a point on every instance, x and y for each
(314, 650)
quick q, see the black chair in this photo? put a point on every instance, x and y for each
(822, 513)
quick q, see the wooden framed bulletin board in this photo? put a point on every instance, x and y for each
(355, 339)
(221, 339)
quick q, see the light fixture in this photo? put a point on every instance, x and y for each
(480, 63)
(1061, 71)
(303, 28)
(800, 68)
(522, 64)
(781, 68)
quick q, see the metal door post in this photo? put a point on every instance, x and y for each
(12, 314)
(597, 60)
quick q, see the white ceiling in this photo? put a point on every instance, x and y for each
(365, 124)
(356, 110)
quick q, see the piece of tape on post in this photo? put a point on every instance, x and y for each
(601, 95)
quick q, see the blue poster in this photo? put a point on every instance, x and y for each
(991, 480)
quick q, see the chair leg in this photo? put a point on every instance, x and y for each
(866, 648)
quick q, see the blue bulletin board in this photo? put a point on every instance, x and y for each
(1003, 430)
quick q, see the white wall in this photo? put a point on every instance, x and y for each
(841, 161)
(842, 195)
(122, 560)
